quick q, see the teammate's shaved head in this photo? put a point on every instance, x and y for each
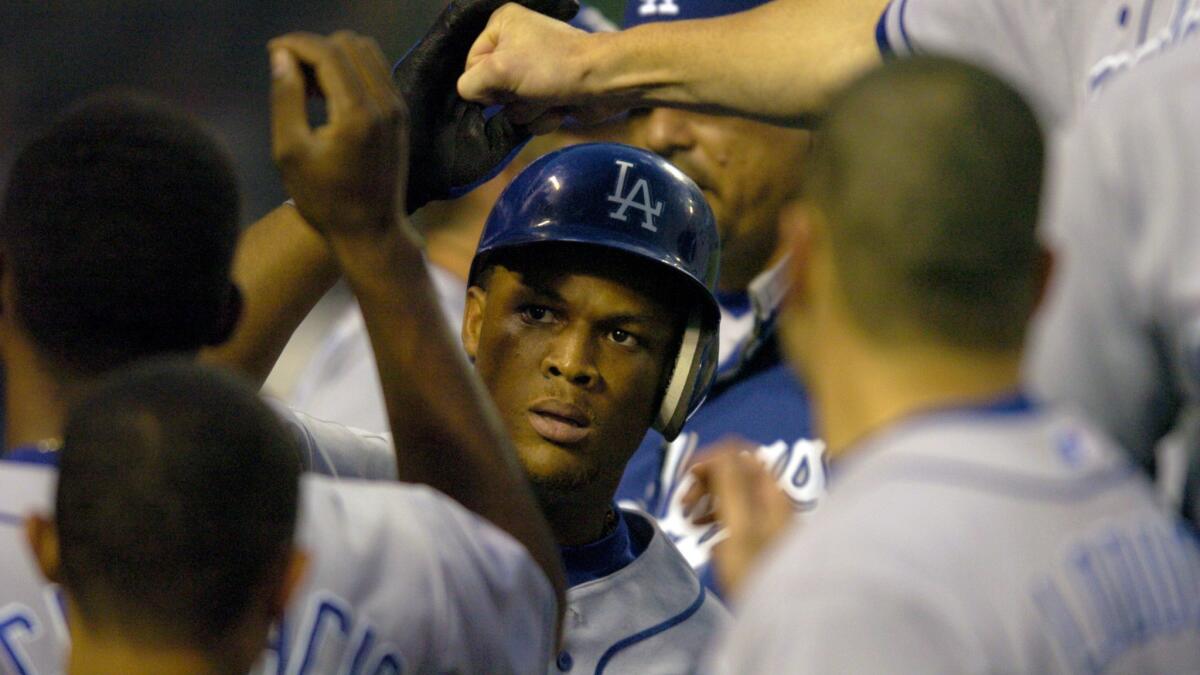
(118, 229)
(176, 505)
(929, 172)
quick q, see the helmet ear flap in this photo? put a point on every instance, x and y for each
(691, 376)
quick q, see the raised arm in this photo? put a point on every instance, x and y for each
(283, 267)
(348, 180)
(778, 62)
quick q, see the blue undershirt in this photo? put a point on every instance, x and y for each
(31, 454)
(604, 556)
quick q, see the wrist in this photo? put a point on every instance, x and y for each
(392, 250)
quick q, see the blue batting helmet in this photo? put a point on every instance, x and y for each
(626, 199)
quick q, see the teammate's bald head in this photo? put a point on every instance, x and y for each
(176, 506)
(929, 172)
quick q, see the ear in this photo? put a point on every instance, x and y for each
(796, 221)
(472, 324)
(42, 536)
(293, 576)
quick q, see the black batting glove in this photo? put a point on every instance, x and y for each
(452, 144)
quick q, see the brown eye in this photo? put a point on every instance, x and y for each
(537, 314)
(623, 338)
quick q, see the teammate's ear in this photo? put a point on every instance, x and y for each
(43, 542)
(473, 320)
(293, 576)
(796, 239)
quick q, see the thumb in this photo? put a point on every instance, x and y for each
(289, 118)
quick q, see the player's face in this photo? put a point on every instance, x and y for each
(748, 170)
(574, 361)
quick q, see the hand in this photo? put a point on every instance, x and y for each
(532, 61)
(348, 176)
(734, 488)
(452, 143)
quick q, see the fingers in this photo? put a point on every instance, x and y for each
(371, 69)
(289, 118)
(334, 72)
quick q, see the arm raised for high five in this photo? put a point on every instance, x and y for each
(348, 180)
(778, 62)
(283, 267)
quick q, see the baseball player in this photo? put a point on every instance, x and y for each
(155, 199)
(591, 317)
(750, 173)
(968, 528)
(1120, 334)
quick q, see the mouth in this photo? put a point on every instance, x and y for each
(558, 422)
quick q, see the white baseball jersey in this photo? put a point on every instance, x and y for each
(1120, 332)
(401, 580)
(341, 382)
(651, 616)
(1057, 52)
(1006, 540)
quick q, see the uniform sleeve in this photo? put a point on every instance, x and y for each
(335, 450)
(1020, 40)
(1093, 345)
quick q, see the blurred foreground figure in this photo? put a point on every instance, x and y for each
(967, 528)
(173, 523)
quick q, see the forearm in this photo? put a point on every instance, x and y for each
(779, 62)
(447, 434)
(283, 268)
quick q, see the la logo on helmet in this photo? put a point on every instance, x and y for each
(640, 189)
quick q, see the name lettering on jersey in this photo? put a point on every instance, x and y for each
(641, 189)
(1184, 21)
(658, 8)
(798, 468)
(331, 640)
(18, 625)
(1120, 589)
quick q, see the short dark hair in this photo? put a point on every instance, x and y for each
(119, 226)
(929, 172)
(176, 502)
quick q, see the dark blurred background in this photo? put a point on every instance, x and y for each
(209, 56)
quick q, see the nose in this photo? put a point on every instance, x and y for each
(571, 357)
(664, 131)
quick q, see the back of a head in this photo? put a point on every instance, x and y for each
(176, 504)
(118, 227)
(929, 174)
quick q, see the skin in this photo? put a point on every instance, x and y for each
(577, 335)
(97, 648)
(747, 170)
(777, 62)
